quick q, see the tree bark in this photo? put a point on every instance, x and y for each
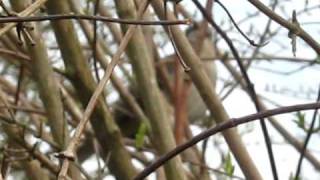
(139, 56)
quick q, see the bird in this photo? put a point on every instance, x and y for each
(196, 108)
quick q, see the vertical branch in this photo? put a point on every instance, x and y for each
(94, 42)
(180, 104)
(203, 84)
(249, 85)
(19, 85)
(143, 69)
(306, 141)
(48, 87)
(106, 130)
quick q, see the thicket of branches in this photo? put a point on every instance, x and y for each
(119, 84)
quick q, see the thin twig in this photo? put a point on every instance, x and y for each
(251, 42)
(182, 62)
(215, 170)
(287, 24)
(5, 102)
(24, 109)
(57, 17)
(310, 131)
(17, 93)
(31, 9)
(249, 84)
(231, 123)
(68, 154)
(94, 43)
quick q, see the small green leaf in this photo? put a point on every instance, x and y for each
(228, 166)
(292, 177)
(139, 138)
(300, 121)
